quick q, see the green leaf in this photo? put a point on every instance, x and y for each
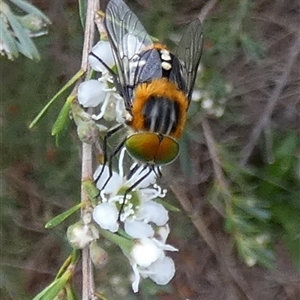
(168, 206)
(72, 259)
(70, 292)
(124, 243)
(25, 44)
(286, 151)
(63, 116)
(252, 207)
(254, 50)
(75, 256)
(8, 40)
(264, 256)
(249, 249)
(124, 234)
(289, 217)
(52, 100)
(82, 11)
(52, 290)
(29, 8)
(26, 52)
(239, 224)
(60, 218)
(100, 296)
(293, 244)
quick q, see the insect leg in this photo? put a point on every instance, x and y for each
(112, 72)
(135, 184)
(110, 161)
(106, 160)
(133, 170)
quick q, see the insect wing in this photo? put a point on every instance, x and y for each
(128, 38)
(189, 52)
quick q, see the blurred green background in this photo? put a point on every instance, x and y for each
(238, 189)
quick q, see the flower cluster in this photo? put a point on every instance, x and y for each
(144, 220)
(136, 210)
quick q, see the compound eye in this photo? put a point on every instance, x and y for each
(150, 147)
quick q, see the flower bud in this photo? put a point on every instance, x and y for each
(87, 132)
(79, 235)
(32, 22)
(98, 255)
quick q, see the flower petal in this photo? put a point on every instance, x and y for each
(91, 93)
(162, 271)
(163, 233)
(154, 212)
(138, 229)
(103, 50)
(113, 185)
(145, 252)
(106, 215)
(137, 278)
(139, 173)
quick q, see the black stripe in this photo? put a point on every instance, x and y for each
(161, 114)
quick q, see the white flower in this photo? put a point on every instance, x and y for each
(110, 188)
(196, 95)
(94, 92)
(113, 108)
(160, 271)
(219, 111)
(207, 103)
(102, 50)
(148, 259)
(144, 220)
(138, 224)
(138, 209)
(250, 261)
(106, 215)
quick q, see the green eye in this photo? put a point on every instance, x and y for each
(152, 148)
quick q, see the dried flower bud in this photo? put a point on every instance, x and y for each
(98, 255)
(79, 235)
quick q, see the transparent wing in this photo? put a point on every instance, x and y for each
(128, 38)
(189, 52)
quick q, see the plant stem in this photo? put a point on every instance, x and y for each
(87, 171)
